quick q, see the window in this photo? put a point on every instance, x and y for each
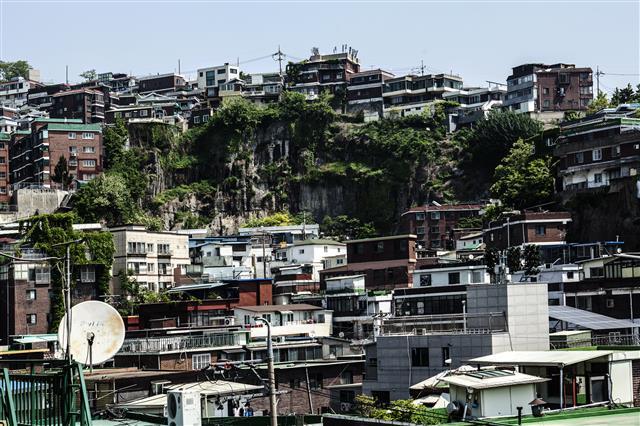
(596, 272)
(445, 356)
(476, 277)
(610, 304)
(220, 82)
(32, 319)
(144, 113)
(435, 215)
(31, 294)
(579, 157)
(88, 149)
(88, 163)
(454, 278)
(545, 91)
(546, 103)
(380, 247)
(87, 274)
(315, 381)
(150, 248)
(597, 154)
(71, 135)
(205, 118)
(597, 178)
(200, 361)
(420, 357)
(87, 135)
(221, 71)
(425, 280)
(73, 149)
(541, 229)
(570, 275)
(300, 251)
(196, 119)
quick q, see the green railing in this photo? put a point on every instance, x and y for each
(48, 398)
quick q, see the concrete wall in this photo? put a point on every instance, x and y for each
(30, 201)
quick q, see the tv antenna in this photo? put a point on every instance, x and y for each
(97, 333)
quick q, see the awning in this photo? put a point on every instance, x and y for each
(589, 320)
(233, 351)
(539, 358)
(36, 338)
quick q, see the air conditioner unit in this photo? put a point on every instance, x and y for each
(183, 408)
(229, 321)
(281, 339)
(345, 406)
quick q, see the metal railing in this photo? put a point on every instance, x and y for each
(46, 398)
(486, 323)
(165, 344)
(614, 340)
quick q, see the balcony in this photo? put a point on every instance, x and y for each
(165, 253)
(493, 322)
(141, 253)
(180, 343)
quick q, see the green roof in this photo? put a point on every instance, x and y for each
(75, 127)
(4, 136)
(318, 241)
(57, 120)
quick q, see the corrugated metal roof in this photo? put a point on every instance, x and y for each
(485, 380)
(587, 319)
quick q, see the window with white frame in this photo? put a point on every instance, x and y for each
(87, 135)
(87, 274)
(32, 319)
(88, 163)
(200, 361)
(597, 154)
(71, 135)
(88, 149)
(31, 294)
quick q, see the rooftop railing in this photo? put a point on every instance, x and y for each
(486, 323)
(165, 344)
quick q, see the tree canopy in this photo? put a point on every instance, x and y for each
(89, 75)
(9, 70)
(521, 180)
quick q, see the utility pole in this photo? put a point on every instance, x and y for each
(279, 56)
(264, 256)
(422, 67)
(178, 66)
(66, 67)
(306, 372)
(598, 74)
(273, 408)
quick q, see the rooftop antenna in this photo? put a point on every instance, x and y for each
(178, 66)
(66, 73)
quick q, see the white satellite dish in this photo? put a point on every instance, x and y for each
(97, 332)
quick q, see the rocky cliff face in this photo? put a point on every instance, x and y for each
(247, 163)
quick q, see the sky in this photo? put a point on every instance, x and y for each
(478, 40)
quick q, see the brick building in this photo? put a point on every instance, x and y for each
(5, 196)
(543, 229)
(161, 83)
(364, 92)
(386, 262)
(434, 224)
(548, 88)
(85, 104)
(27, 294)
(34, 153)
(323, 73)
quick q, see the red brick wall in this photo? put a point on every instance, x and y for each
(59, 145)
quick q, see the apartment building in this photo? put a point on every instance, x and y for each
(534, 88)
(544, 229)
(117, 82)
(41, 96)
(386, 262)
(263, 88)
(5, 195)
(413, 94)
(323, 73)
(13, 93)
(364, 93)
(8, 119)
(149, 256)
(210, 79)
(34, 153)
(475, 104)
(28, 293)
(297, 319)
(161, 83)
(434, 224)
(596, 151)
(412, 348)
(85, 104)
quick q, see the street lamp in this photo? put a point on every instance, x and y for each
(272, 374)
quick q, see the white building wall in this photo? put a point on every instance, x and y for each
(440, 276)
(622, 379)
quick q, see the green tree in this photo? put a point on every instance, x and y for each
(494, 136)
(598, 103)
(532, 259)
(89, 75)
(344, 227)
(61, 173)
(521, 180)
(9, 70)
(624, 95)
(513, 259)
(106, 199)
(114, 141)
